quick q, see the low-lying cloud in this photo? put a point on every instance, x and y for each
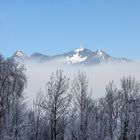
(99, 75)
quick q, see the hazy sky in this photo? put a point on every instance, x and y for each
(56, 26)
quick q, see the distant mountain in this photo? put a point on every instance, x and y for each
(39, 57)
(77, 56)
(19, 57)
(18, 54)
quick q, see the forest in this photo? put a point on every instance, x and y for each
(67, 110)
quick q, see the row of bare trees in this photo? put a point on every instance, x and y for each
(67, 110)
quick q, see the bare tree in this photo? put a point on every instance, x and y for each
(129, 97)
(35, 119)
(12, 83)
(83, 104)
(111, 109)
(56, 103)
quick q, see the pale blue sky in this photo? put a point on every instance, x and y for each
(57, 26)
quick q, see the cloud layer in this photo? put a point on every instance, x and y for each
(99, 76)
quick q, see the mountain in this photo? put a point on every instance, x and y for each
(18, 54)
(39, 57)
(77, 56)
(19, 57)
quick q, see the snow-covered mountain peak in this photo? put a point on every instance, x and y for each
(19, 57)
(19, 53)
(99, 53)
(76, 57)
(78, 50)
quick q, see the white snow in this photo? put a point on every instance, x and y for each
(76, 58)
(19, 53)
(99, 53)
(79, 50)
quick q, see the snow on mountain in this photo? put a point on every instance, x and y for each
(78, 56)
(19, 54)
(19, 57)
(99, 53)
(79, 50)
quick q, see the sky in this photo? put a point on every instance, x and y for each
(57, 26)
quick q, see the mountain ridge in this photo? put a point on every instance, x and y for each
(77, 56)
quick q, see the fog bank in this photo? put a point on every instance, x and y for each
(99, 75)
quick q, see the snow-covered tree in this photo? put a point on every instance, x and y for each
(12, 83)
(84, 106)
(56, 104)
